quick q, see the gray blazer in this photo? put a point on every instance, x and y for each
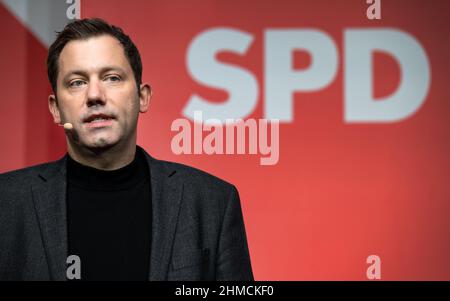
(198, 231)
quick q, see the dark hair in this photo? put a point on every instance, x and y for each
(87, 28)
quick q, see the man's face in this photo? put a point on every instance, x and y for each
(97, 93)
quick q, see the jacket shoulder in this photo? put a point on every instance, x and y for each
(199, 180)
(24, 174)
(205, 194)
(193, 174)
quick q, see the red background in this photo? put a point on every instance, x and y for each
(339, 193)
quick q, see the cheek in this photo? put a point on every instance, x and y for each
(129, 114)
(69, 105)
(66, 113)
(132, 109)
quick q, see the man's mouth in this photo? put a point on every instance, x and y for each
(99, 119)
(96, 118)
(96, 121)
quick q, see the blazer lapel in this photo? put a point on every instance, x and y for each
(49, 196)
(166, 198)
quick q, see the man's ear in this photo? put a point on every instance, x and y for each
(53, 107)
(144, 98)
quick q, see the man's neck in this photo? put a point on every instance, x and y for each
(108, 159)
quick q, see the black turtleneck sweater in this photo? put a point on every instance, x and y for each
(109, 219)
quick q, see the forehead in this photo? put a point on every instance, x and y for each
(92, 54)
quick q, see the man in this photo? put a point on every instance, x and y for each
(123, 214)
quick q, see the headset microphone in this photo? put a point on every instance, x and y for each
(67, 126)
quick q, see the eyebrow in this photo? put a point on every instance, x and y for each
(102, 70)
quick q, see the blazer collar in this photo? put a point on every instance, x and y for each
(49, 196)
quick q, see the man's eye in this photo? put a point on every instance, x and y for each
(76, 83)
(113, 78)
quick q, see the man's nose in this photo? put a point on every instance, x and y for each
(95, 94)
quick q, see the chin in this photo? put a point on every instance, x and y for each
(101, 143)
